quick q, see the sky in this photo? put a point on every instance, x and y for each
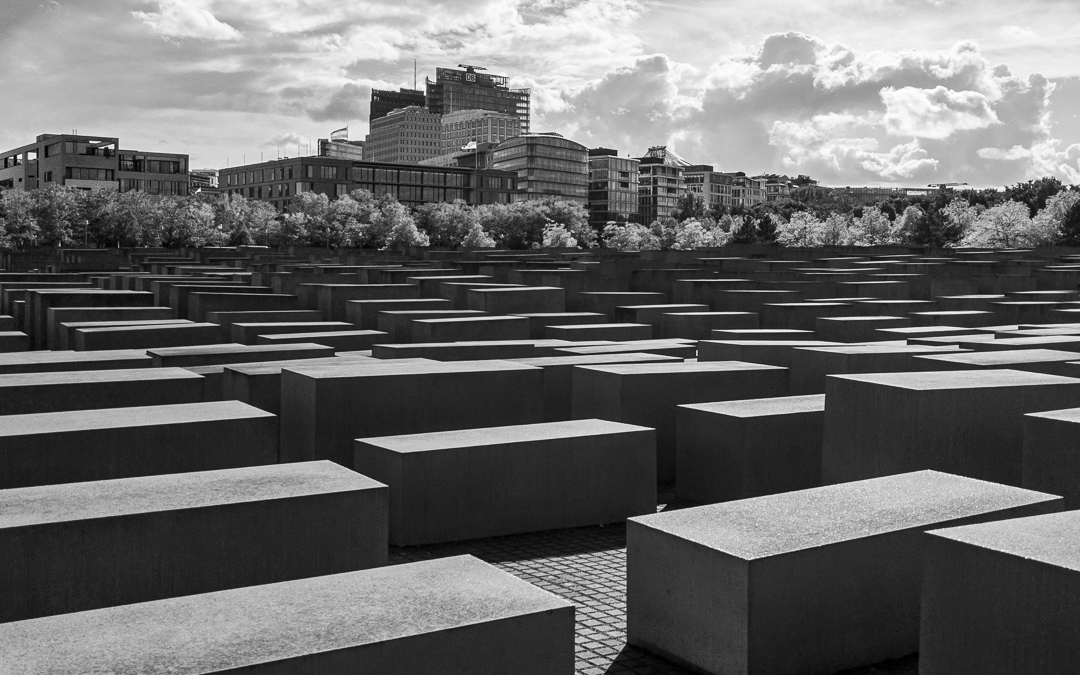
(850, 92)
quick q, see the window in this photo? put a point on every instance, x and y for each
(309, 171)
(52, 150)
(82, 173)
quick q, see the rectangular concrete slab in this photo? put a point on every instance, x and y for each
(146, 337)
(85, 445)
(451, 616)
(29, 393)
(967, 422)
(323, 408)
(1002, 597)
(209, 355)
(495, 481)
(48, 361)
(1051, 454)
(61, 315)
(1047, 361)
(811, 365)
(248, 333)
(66, 546)
(647, 394)
(749, 448)
(811, 581)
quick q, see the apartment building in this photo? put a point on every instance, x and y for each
(613, 187)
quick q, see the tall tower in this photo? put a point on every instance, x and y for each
(467, 89)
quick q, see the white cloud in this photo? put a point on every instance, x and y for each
(935, 113)
(1014, 153)
(178, 18)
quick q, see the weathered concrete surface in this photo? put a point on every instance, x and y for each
(962, 421)
(749, 448)
(699, 325)
(323, 408)
(1051, 454)
(81, 546)
(57, 338)
(86, 445)
(648, 394)
(208, 355)
(1002, 597)
(494, 481)
(47, 361)
(246, 333)
(452, 616)
(29, 393)
(146, 336)
(813, 581)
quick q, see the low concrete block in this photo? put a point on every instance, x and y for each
(699, 325)
(802, 315)
(1051, 454)
(259, 384)
(332, 299)
(771, 352)
(961, 421)
(810, 366)
(57, 338)
(15, 341)
(605, 302)
(323, 408)
(452, 616)
(539, 321)
(762, 334)
(558, 376)
(856, 328)
(470, 329)
(248, 333)
(740, 449)
(364, 314)
(1002, 597)
(48, 362)
(653, 314)
(520, 300)
(812, 581)
(86, 445)
(480, 350)
(615, 332)
(209, 355)
(227, 319)
(397, 324)
(660, 347)
(495, 481)
(29, 393)
(341, 340)
(647, 394)
(146, 337)
(1047, 361)
(201, 304)
(66, 546)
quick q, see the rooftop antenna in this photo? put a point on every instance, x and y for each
(414, 74)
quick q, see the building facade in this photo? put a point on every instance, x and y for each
(717, 189)
(453, 90)
(547, 166)
(777, 191)
(404, 136)
(279, 181)
(473, 158)
(385, 101)
(92, 162)
(613, 187)
(477, 126)
(342, 149)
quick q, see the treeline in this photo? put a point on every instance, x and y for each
(1042, 212)
(61, 216)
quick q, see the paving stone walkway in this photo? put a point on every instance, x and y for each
(587, 566)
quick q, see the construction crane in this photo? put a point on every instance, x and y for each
(945, 186)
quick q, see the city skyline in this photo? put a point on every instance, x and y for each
(853, 92)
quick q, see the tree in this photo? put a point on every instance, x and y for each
(689, 206)
(56, 209)
(131, 220)
(873, 228)
(1070, 226)
(477, 238)
(1047, 227)
(1034, 193)
(803, 229)
(400, 228)
(20, 218)
(1005, 226)
(447, 223)
(557, 236)
(629, 237)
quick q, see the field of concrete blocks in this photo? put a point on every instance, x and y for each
(546, 462)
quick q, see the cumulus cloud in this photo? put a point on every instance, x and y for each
(797, 104)
(182, 19)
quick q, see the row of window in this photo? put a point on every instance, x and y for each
(140, 163)
(83, 173)
(171, 188)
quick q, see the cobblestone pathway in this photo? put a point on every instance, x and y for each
(586, 566)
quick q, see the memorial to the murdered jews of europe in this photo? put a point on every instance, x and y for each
(739, 461)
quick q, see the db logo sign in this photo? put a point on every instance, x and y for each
(470, 77)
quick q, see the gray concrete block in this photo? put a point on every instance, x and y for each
(614, 332)
(541, 320)
(812, 581)
(740, 449)
(452, 616)
(201, 304)
(29, 393)
(82, 546)
(248, 333)
(648, 394)
(323, 408)
(47, 361)
(1047, 361)
(397, 324)
(473, 328)
(771, 352)
(810, 366)
(209, 355)
(146, 336)
(1051, 454)
(1002, 597)
(962, 421)
(56, 316)
(365, 313)
(525, 299)
(85, 445)
(699, 325)
(495, 481)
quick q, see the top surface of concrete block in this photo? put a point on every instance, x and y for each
(395, 367)
(21, 507)
(680, 368)
(1066, 415)
(61, 356)
(792, 521)
(227, 348)
(597, 359)
(520, 433)
(961, 379)
(112, 418)
(764, 407)
(230, 631)
(88, 376)
(1005, 357)
(1052, 538)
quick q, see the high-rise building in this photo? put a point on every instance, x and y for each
(406, 135)
(454, 90)
(385, 101)
(613, 187)
(660, 183)
(717, 189)
(461, 127)
(341, 149)
(547, 165)
(89, 162)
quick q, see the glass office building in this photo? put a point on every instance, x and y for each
(454, 90)
(613, 187)
(547, 165)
